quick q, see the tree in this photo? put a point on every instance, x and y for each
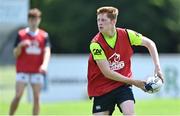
(72, 24)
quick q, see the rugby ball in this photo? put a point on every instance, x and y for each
(153, 84)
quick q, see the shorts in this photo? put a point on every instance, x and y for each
(33, 78)
(108, 101)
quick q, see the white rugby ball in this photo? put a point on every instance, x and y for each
(153, 84)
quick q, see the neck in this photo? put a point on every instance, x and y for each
(111, 32)
(33, 29)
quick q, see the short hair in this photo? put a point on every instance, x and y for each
(112, 12)
(34, 12)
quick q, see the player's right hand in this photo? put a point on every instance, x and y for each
(140, 84)
(24, 43)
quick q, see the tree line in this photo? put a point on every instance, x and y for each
(72, 24)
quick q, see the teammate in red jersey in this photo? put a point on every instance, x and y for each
(109, 66)
(32, 53)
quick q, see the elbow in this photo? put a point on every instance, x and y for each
(16, 53)
(150, 44)
(16, 56)
(107, 74)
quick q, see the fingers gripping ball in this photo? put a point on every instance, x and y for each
(153, 84)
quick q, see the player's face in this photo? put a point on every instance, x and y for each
(104, 23)
(34, 22)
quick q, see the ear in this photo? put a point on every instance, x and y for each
(114, 21)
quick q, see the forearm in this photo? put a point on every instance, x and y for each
(154, 54)
(104, 67)
(46, 58)
(113, 75)
(150, 45)
(17, 51)
(118, 77)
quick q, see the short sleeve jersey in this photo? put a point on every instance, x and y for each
(47, 40)
(32, 56)
(135, 39)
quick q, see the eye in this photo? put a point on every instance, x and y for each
(103, 20)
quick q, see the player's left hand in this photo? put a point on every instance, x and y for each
(159, 73)
(43, 69)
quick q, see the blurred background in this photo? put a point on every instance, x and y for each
(71, 26)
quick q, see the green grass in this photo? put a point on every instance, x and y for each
(158, 107)
(7, 75)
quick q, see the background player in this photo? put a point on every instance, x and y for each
(32, 53)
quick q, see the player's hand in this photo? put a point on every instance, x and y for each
(43, 69)
(140, 84)
(24, 43)
(159, 73)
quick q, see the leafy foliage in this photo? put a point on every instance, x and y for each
(72, 24)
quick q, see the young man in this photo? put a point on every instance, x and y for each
(32, 53)
(109, 66)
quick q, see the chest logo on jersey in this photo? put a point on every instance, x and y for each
(115, 62)
(34, 48)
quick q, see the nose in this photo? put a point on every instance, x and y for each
(99, 22)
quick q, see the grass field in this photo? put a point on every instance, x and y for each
(168, 107)
(148, 107)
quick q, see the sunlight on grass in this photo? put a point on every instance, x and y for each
(156, 107)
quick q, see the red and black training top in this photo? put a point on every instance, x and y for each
(119, 59)
(31, 57)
